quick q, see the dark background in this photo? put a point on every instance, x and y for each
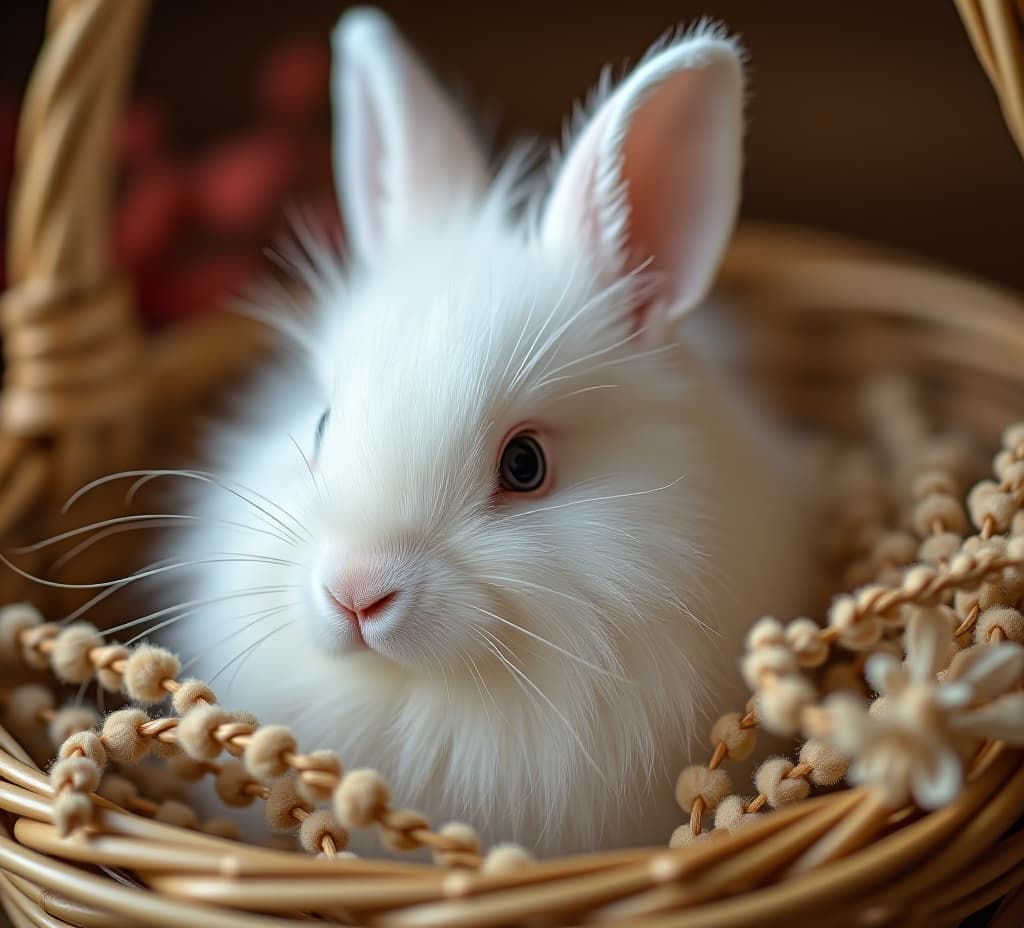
(871, 118)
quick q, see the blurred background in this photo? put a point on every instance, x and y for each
(871, 118)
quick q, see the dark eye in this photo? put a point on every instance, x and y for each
(522, 467)
(321, 425)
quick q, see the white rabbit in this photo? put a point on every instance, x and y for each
(500, 532)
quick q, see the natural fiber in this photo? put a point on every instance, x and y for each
(928, 562)
(996, 30)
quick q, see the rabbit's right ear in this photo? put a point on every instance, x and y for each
(402, 152)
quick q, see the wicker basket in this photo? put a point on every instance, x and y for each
(86, 393)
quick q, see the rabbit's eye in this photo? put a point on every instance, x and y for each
(321, 426)
(522, 467)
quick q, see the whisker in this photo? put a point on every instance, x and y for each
(262, 614)
(575, 657)
(482, 688)
(592, 499)
(537, 586)
(138, 518)
(611, 362)
(110, 591)
(519, 341)
(68, 556)
(184, 615)
(233, 488)
(121, 580)
(202, 476)
(308, 466)
(530, 358)
(207, 601)
(569, 727)
(549, 376)
(582, 390)
(627, 283)
(248, 651)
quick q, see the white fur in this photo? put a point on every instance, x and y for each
(619, 599)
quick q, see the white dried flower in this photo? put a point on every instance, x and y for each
(918, 746)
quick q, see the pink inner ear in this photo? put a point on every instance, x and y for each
(374, 193)
(678, 188)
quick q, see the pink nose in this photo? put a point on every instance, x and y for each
(363, 590)
(362, 608)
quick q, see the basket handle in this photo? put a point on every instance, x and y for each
(69, 330)
(71, 340)
(995, 28)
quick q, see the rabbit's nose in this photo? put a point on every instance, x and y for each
(364, 588)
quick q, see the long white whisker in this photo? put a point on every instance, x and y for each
(308, 466)
(549, 376)
(121, 580)
(248, 651)
(136, 518)
(575, 657)
(569, 727)
(559, 332)
(207, 601)
(623, 284)
(202, 476)
(110, 591)
(582, 390)
(519, 341)
(68, 556)
(611, 362)
(530, 357)
(235, 489)
(184, 615)
(537, 586)
(262, 614)
(592, 499)
(482, 688)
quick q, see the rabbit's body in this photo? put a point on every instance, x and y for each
(538, 661)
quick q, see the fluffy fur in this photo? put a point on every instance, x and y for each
(551, 663)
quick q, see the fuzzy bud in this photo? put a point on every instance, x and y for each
(779, 705)
(1008, 620)
(87, 744)
(732, 814)
(122, 738)
(77, 773)
(828, 766)
(190, 694)
(70, 656)
(70, 812)
(804, 637)
(15, 619)
(196, 731)
(506, 858)
(147, 669)
(738, 741)
(172, 812)
(266, 752)
(318, 826)
(282, 801)
(70, 721)
(26, 707)
(698, 782)
(232, 785)
(771, 780)
(360, 798)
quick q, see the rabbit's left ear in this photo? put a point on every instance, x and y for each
(654, 176)
(402, 151)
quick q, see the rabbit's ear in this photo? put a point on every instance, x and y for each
(402, 152)
(654, 175)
